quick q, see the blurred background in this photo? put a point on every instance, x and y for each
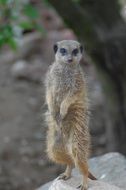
(28, 31)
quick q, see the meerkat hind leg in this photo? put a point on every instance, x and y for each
(84, 169)
(67, 174)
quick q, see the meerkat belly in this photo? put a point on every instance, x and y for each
(75, 118)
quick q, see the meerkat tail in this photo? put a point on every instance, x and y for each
(91, 176)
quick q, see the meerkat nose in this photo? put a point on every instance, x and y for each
(70, 60)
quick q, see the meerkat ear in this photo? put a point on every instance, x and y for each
(81, 48)
(55, 47)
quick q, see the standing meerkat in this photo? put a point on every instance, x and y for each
(68, 138)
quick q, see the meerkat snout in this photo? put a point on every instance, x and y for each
(70, 59)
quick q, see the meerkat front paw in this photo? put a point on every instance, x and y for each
(63, 110)
(58, 118)
(64, 176)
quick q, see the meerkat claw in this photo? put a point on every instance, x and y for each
(81, 187)
(58, 119)
(78, 187)
(63, 176)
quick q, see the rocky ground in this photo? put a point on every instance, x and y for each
(110, 170)
(23, 161)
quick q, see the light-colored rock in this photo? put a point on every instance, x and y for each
(110, 169)
(74, 182)
(19, 68)
(28, 71)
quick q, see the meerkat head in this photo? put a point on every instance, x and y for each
(68, 51)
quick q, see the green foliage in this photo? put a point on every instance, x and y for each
(46, 3)
(16, 16)
(6, 36)
(30, 11)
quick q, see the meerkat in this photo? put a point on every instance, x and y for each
(68, 138)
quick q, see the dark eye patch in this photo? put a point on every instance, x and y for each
(63, 51)
(75, 52)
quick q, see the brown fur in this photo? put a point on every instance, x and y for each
(68, 138)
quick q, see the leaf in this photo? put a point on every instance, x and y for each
(12, 43)
(26, 25)
(3, 2)
(1, 40)
(7, 31)
(40, 29)
(31, 11)
(46, 3)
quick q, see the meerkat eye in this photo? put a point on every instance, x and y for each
(75, 52)
(63, 51)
